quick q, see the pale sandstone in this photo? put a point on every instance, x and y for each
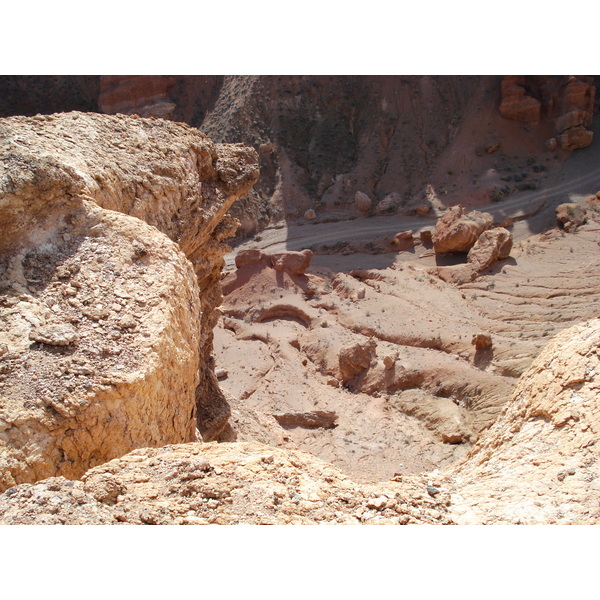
(108, 328)
(492, 245)
(228, 484)
(570, 216)
(538, 463)
(167, 174)
(80, 385)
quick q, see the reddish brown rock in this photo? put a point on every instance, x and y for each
(570, 216)
(324, 419)
(516, 104)
(356, 358)
(246, 258)
(492, 245)
(143, 95)
(576, 137)
(426, 236)
(452, 438)
(292, 262)
(404, 240)
(457, 231)
(575, 113)
(482, 341)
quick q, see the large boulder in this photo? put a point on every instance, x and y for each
(492, 245)
(457, 231)
(292, 262)
(362, 202)
(100, 322)
(102, 310)
(251, 258)
(570, 216)
(356, 358)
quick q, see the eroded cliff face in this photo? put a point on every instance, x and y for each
(536, 464)
(112, 246)
(404, 143)
(566, 101)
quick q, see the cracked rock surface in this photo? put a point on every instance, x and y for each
(113, 233)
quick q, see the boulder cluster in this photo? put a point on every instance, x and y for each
(473, 232)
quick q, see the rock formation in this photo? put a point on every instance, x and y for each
(322, 139)
(517, 104)
(226, 484)
(356, 358)
(107, 333)
(570, 216)
(362, 202)
(566, 101)
(294, 263)
(576, 110)
(538, 463)
(458, 231)
(492, 245)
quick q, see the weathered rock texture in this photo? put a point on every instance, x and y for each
(102, 345)
(538, 463)
(492, 245)
(458, 231)
(567, 101)
(517, 104)
(570, 216)
(108, 334)
(227, 484)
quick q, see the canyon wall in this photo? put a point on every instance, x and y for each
(404, 142)
(110, 258)
(366, 144)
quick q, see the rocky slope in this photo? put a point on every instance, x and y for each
(405, 367)
(536, 464)
(226, 484)
(106, 336)
(400, 142)
(408, 359)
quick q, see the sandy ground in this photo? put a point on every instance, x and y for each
(280, 336)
